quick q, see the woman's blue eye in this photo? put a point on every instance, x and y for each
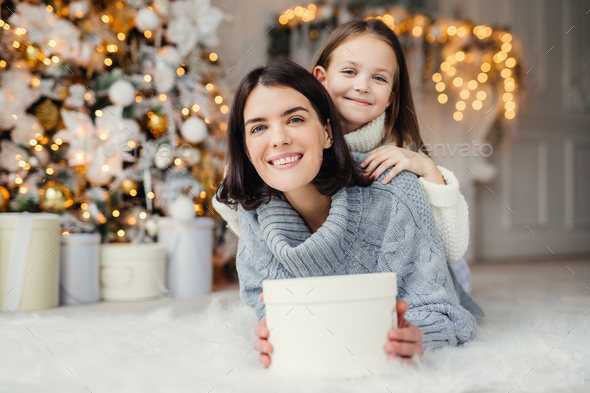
(381, 79)
(296, 118)
(257, 128)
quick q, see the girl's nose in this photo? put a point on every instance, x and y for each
(361, 87)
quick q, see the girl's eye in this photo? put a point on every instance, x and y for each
(299, 120)
(380, 79)
(257, 128)
(348, 72)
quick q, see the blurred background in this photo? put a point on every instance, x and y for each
(114, 116)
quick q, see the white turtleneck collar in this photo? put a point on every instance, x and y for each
(368, 137)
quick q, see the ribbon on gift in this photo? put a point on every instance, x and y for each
(18, 261)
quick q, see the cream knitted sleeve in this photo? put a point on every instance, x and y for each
(228, 214)
(450, 212)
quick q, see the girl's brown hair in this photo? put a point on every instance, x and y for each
(401, 123)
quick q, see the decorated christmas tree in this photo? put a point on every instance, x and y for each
(113, 112)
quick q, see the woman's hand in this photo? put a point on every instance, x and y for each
(261, 344)
(405, 341)
(401, 159)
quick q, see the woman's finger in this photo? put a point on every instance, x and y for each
(261, 330)
(263, 346)
(405, 334)
(264, 359)
(404, 348)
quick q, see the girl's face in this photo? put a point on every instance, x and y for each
(360, 79)
(285, 139)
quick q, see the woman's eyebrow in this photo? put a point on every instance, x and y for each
(286, 113)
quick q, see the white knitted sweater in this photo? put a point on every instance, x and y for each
(448, 205)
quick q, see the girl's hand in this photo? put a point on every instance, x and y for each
(261, 344)
(401, 159)
(405, 341)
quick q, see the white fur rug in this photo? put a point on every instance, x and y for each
(520, 348)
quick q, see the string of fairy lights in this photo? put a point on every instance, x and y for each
(463, 60)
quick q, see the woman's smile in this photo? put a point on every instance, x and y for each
(285, 160)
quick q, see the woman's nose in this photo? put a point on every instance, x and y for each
(280, 136)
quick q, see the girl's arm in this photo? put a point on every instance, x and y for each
(450, 212)
(441, 188)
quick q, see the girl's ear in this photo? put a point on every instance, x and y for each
(328, 136)
(320, 74)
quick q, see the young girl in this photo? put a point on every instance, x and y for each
(306, 210)
(364, 70)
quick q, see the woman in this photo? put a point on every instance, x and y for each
(305, 210)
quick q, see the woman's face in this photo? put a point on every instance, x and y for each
(285, 139)
(360, 79)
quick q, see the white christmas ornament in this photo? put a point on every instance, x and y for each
(146, 19)
(27, 127)
(182, 209)
(122, 93)
(164, 156)
(10, 155)
(151, 228)
(164, 76)
(194, 130)
(170, 55)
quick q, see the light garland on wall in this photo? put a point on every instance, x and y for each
(462, 60)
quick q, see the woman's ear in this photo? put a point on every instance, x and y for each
(328, 140)
(320, 74)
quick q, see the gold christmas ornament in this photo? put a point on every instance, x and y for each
(157, 124)
(55, 197)
(48, 114)
(32, 53)
(4, 198)
(127, 185)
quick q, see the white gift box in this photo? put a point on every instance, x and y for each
(29, 261)
(79, 268)
(333, 326)
(132, 271)
(190, 252)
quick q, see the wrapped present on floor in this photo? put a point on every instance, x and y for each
(79, 268)
(190, 254)
(29, 261)
(132, 271)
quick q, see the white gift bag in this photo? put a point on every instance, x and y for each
(29, 261)
(190, 255)
(79, 268)
(132, 271)
(332, 326)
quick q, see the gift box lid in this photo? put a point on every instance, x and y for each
(197, 222)
(327, 289)
(144, 251)
(81, 238)
(40, 220)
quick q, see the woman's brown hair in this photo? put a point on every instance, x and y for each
(242, 184)
(401, 123)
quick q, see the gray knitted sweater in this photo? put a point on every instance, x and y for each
(381, 228)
